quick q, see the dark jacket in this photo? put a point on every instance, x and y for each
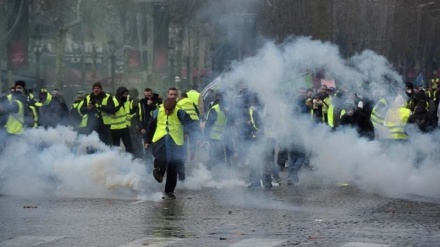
(146, 110)
(53, 111)
(420, 118)
(361, 122)
(94, 115)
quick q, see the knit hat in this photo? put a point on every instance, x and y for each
(97, 84)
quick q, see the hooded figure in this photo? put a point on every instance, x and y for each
(396, 119)
(122, 94)
(53, 111)
(421, 117)
(135, 135)
(120, 121)
(358, 118)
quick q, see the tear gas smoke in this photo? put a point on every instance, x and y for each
(55, 161)
(341, 156)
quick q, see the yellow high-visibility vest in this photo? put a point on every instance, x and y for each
(219, 126)
(106, 118)
(14, 125)
(194, 96)
(376, 117)
(395, 121)
(188, 106)
(168, 125)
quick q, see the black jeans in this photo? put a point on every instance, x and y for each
(124, 135)
(171, 169)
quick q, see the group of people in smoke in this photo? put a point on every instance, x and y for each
(20, 109)
(166, 132)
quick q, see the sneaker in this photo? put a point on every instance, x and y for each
(170, 195)
(156, 175)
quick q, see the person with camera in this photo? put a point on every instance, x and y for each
(99, 108)
(146, 106)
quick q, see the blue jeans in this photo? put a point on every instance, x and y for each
(296, 161)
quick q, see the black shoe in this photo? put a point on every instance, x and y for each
(157, 176)
(170, 195)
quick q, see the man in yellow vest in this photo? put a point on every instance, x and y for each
(189, 107)
(99, 108)
(262, 166)
(15, 110)
(121, 120)
(146, 107)
(216, 122)
(195, 97)
(77, 120)
(396, 120)
(166, 137)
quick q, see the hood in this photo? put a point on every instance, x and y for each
(133, 93)
(44, 97)
(120, 91)
(399, 101)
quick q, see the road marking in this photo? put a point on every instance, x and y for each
(258, 242)
(359, 244)
(25, 241)
(152, 242)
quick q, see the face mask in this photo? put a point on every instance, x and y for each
(123, 99)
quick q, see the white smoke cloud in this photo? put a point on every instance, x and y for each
(339, 157)
(55, 161)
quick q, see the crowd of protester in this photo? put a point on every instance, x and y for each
(166, 131)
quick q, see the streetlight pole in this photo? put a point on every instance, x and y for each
(112, 49)
(38, 50)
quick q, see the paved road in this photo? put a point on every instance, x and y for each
(308, 215)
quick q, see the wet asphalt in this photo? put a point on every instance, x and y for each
(306, 215)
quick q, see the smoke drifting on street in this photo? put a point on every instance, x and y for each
(55, 161)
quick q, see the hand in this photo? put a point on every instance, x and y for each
(90, 106)
(146, 146)
(143, 131)
(149, 102)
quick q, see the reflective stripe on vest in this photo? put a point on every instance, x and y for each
(395, 122)
(168, 125)
(375, 117)
(84, 118)
(330, 118)
(219, 126)
(34, 115)
(194, 96)
(14, 125)
(188, 106)
(106, 118)
(119, 120)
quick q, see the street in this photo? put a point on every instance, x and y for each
(306, 215)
